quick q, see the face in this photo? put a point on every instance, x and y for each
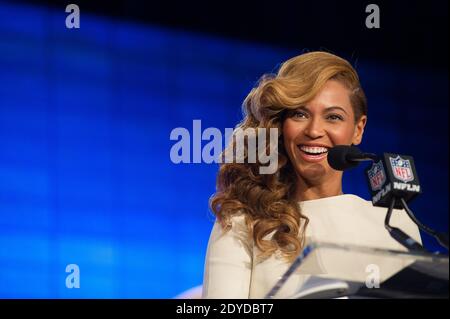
(311, 129)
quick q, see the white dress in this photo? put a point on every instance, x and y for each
(232, 269)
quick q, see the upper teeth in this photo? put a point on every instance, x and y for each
(317, 150)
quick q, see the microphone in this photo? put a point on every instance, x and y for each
(393, 176)
(342, 157)
(393, 182)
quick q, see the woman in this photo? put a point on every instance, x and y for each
(263, 221)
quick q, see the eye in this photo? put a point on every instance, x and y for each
(335, 117)
(299, 115)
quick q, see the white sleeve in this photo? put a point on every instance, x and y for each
(228, 263)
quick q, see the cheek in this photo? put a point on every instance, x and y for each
(341, 135)
(290, 131)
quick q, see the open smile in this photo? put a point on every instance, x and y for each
(313, 153)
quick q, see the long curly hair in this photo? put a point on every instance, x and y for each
(267, 200)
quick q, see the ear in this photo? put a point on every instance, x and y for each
(359, 130)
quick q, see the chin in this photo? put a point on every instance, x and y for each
(313, 172)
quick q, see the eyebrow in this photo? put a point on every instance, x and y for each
(335, 107)
(327, 109)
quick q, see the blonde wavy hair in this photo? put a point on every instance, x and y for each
(267, 200)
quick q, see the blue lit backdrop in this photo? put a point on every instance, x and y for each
(85, 171)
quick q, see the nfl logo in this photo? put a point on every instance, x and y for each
(376, 176)
(401, 168)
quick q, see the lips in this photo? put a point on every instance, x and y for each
(313, 153)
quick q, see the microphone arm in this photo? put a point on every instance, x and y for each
(401, 237)
(442, 238)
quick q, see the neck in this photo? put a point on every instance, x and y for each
(307, 190)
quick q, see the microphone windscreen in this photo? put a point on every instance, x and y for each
(338, 157)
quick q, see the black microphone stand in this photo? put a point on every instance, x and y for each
(401, 237)
(442, 238)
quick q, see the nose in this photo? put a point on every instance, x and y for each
(314, 129)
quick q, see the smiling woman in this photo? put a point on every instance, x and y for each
(263, 221)
(329, 119)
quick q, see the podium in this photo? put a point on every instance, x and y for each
(328, 270)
